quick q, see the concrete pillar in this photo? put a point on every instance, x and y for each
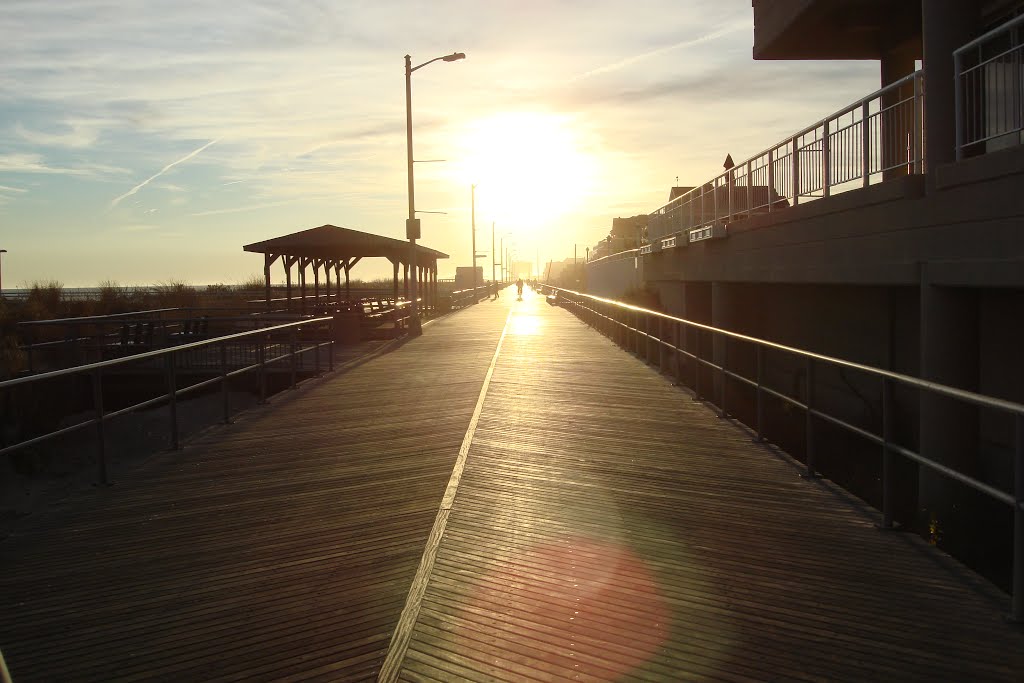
(945, 26)
(698, 309)
(948, 428)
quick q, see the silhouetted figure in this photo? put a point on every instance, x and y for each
(519, 287)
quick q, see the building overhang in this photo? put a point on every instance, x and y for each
(834, 29)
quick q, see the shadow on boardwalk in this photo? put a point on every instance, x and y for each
(605, 527)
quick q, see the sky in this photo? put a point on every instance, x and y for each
(146, 141)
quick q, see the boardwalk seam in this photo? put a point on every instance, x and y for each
(392, 665)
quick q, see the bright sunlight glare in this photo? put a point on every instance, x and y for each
(530, 169)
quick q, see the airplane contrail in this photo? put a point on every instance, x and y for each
(728, 28)
(163, 170)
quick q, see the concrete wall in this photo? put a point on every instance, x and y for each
(921, 275)
(615, 276)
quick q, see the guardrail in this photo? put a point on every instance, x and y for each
(989, 83)
(662, 339)
(95, 338)
(877, 135)
(464, 297)
(254, 351)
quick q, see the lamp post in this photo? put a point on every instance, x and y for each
(412, 224)
(472, 212)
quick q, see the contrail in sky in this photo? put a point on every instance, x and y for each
(728, 28)
(163, 170)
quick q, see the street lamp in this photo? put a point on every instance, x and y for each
(412, 224)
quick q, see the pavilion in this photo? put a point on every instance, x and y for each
(329, 247)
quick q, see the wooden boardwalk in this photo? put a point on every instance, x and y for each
(599, 526)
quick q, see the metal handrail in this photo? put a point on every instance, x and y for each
(96, 371)
(623, 322)
(814, 162)
(988, 93)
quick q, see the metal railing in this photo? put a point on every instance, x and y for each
(227, 357)
(663, 340)
(875, 137)
(989, 90)
(465, 297)
(74, 341)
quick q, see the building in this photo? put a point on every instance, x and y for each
(891, 234)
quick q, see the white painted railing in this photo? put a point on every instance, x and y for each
(989, 85)
(874, 138)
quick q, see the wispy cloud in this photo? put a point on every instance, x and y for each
(26, 162)
(165, 169)
(240, 209)
(5, 188)
(74, 134)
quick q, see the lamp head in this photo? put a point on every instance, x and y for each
(454, 57)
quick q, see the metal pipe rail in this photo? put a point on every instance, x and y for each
(988, 87)
(284, 342)
(95, 338)
(642, 331)
(876, 135)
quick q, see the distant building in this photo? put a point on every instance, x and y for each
(464, 277)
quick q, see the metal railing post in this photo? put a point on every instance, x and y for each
(958, 97)
(826, 176)
(750, 190)
(678, 354)
(294, 361)
(1017, 605)
(224, 381)
(795, 165)
(696, 365)
(918, 124)
(262, 358)
(330, 356)
(865, 142)
(771, 178)
(809, 422)
(722, 412)
(888, 489)
(172, 399)
(101, 447)
(760, 395)
(661, 345)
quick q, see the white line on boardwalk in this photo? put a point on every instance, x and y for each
(392, 665)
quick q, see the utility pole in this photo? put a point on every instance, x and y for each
(472, 211)
(493, 253)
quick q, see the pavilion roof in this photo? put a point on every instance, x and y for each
(332, 242)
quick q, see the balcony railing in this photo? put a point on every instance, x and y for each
(989, 85)
(875, 138)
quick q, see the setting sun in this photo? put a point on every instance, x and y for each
(530, 168)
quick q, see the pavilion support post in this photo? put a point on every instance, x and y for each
(405, 280)
(337, 278)
(394, 281)
(316, 282)
(348, 285)
(327, 278)
(433, 287)
(267, 262)
(287, 262)
(303, 261)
